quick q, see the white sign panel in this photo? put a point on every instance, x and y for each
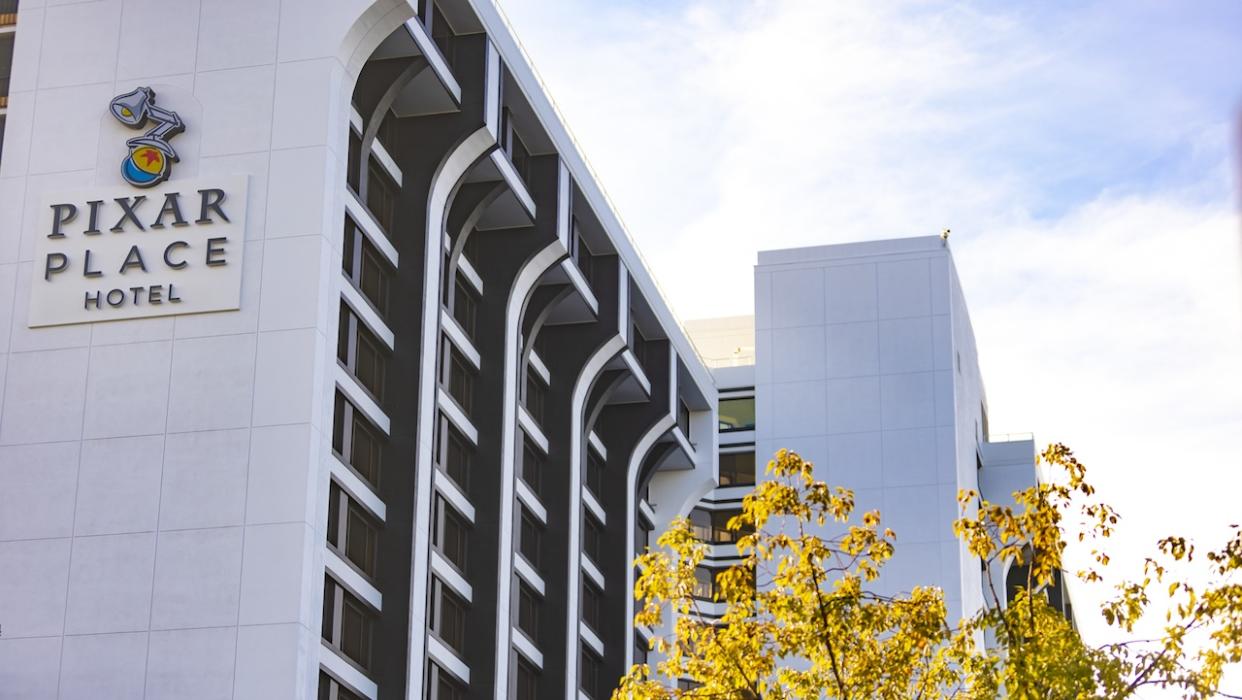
(108, 254)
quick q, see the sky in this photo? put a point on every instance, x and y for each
(1084, 156)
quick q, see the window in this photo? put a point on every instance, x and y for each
(638, 343)
(460, 379)
(579, 252)
(737, 414)
(356, 441)
(527, 681)
(366, 267)
(705, 583)
(381, 196)
(595, 474)
(442, 33)
(351, 531)
(528, 611)
(451, 534)
(713, 525)
(536, 396)
(331, 689)
(456, 458)
(449, 617)
(513, 145)
(593, 539)
(355, 159)
(683, 418)
(591, 672)
(465, 307)
(532, 466)
(361, 353)
(529, 538)
(737, 468)
(592, 606)
(443, 686)
(347, 623)
(640, 651)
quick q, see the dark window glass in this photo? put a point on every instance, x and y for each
(362, 353)
(513, 145)
(640, 651)
(580, 253)
(530, 536)
(356, 440)
(342, 335)
(330, 689)
(704, 583)
(370, 362)
(683, 418)
(737, 414)
(592, 606)
(381, 196)
(536, 396)
(442, 33)
(713, 525)
(527, 681)
(737, 468)
(637, 341)
(457, 456)
(593, 539)
(451, 534)
(591, 671)
(351, 531)
(366, 267)
(465, 306)
(347, 623)
(355, 159)
(532, 467)
(373, 275)
(361, 539)
(528, 611)
(447, 688)
(450, 618)
(595, 474)
(461, 380)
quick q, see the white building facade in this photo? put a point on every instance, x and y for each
(861, 358)
(327, 369)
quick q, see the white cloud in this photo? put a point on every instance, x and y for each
(1081, 157)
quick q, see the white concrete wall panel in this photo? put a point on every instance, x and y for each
(40, 482)
(896, 419)
(31, 667)
(104, 666)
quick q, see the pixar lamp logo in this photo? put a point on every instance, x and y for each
(147, 164)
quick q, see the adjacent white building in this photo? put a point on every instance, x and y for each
(861, 358)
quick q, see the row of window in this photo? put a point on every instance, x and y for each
(348, 623)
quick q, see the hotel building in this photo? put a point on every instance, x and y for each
(861, 358)
(328, 370)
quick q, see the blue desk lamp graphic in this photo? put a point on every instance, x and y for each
(150, 155)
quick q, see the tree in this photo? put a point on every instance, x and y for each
(802, 618)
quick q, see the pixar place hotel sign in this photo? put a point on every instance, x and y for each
(155, 248)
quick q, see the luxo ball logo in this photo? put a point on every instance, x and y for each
(148, 163)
